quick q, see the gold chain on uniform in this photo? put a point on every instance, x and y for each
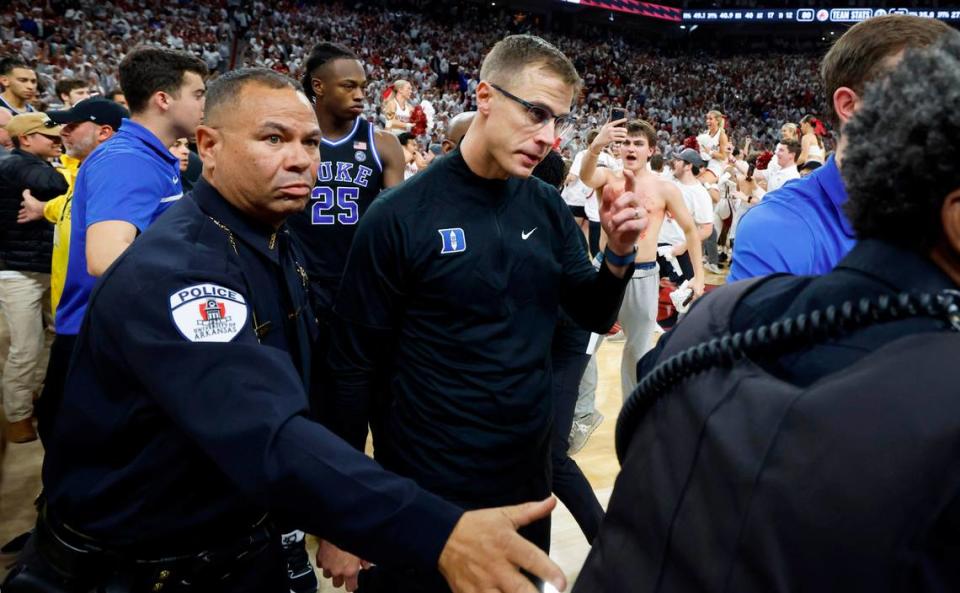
(260, 330)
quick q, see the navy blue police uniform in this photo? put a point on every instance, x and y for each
(450, 298)
(184, 425)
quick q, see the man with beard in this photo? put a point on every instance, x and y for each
(86, 126)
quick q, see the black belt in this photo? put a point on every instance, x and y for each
(79, 558)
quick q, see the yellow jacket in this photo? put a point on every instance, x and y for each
(58, 211)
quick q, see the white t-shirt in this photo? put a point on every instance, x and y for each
(576, 193)
(781, 176)
(698, 201)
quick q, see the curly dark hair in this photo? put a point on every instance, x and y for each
(901, 161)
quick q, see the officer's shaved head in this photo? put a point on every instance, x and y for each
(224, 92)
(260, 144)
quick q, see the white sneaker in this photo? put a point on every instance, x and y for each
(712, 268)
(682, 297)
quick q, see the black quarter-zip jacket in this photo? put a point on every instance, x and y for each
(443, 328)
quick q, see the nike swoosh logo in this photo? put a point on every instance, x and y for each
(526, 236)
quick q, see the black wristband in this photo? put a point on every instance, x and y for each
(619, 260)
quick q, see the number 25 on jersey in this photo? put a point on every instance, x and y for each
(344, 199)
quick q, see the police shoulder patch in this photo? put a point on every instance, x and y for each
(208, 313)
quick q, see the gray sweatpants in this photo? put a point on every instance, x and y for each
(638, 317)
(711, 249)
(586, 398)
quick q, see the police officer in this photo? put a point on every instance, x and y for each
(825, 457)
(184, 428)
(451, 296)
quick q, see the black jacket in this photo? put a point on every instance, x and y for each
(831, 467)
(26, 247)
(452, 291)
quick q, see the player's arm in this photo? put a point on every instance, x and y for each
(678, 209)
(391, 157)
(120, 205)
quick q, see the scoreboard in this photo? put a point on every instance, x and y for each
(822, 15)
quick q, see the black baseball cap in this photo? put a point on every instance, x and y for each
(96, 109)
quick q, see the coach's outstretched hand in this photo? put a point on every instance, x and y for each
(623, 215)
(485, 552)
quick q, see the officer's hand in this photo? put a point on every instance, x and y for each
(623, 216)
(31, 209)
(343, 567)
(485, 553)
(612, 131)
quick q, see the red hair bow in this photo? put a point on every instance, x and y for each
(764, 160)
(818, 128)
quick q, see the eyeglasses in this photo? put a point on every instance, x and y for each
(540, 115)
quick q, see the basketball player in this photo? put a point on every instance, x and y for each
(19, 83)
(356, 162)
(638, 314)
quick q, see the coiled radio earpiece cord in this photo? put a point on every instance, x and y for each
(808, 328)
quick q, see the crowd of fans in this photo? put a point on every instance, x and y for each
(86, 40)
(437, 51)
